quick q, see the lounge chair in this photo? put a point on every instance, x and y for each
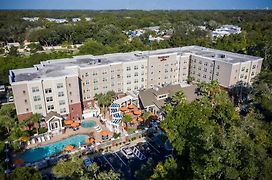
(48, 137)
(43, 139)
(39, 139)
(33, 141)
(28, 143)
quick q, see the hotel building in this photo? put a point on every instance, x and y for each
(68, 86)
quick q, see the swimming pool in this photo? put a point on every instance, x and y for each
(36, 154)
(88, 124)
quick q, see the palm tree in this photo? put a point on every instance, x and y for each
(7, 122)
(126, 119)
(36, 119)
(179, 98)
(104, 100)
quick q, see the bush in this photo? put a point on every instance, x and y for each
(42, 130)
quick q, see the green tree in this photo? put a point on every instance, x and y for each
(25, 173)
(13, 51)
(179, 98)
(104, 100)
(127, 119)
(71, 169)
(166, 170)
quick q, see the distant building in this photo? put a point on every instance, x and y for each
(59, 21)
(226, 30)
(68, 86)
(31, 19)
(76, 19)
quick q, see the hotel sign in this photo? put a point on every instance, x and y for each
(163, 58)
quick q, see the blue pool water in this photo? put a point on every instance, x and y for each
(88, 124)
(36, 154)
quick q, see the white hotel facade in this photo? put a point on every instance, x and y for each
(67, 86)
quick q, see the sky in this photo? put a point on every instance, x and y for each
(135, 4)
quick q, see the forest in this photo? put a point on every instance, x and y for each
(105, 33)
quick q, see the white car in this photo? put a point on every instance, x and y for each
(10, 99)
(127, 152)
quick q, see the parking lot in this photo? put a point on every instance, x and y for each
(127, 165)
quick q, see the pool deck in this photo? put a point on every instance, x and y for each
(71, 132)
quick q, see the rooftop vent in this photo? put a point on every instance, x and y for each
(220, 55)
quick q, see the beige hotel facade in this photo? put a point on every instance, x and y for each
(67, 86)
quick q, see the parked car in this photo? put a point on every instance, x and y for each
(127, 152)
(10, 99)
(87, 162)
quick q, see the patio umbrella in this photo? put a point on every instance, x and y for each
(69, 147)
(123, 108)
(24, 138)
(154, 117)
(137, 112)
(75, 124)
(68, 122)
(104, 133)
(19, 162)
(134, 121)
(140, 119)
(90, 140)
(132, 106)
(129, 114)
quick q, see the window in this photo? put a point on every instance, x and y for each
(200, 62)
(129, 82)
(60, 85)
(241, 76)
(136, 74)
(136, 81)
(245, 76)
(112, 77)
(50, 107)
(35, 89)
(118, 76)
(205, 69)
(104, 79)
(36, 98)
(136, 88)
(62, 110)
(199, 68)
(25, 101)
(135, 67)
(204, 76)
(128, 76)
(105, 87)
(198, 74)
(48, 90)
(38, 107)
(246, 70)
(205, 64)
(128, 89)
(61, 102)
(252, 74)
(86, 74)
(104, 72)
(128, 68)
(95, 81)
(217, 74)
(218, 67)
(142, 66)
(60, 94)
(95, 88)
(254, 66)
(112, 71)
(87, 82)
(94, 73)
(142, 80)
(166, 77)
(243, 68)
(166, 71)
(49, 99)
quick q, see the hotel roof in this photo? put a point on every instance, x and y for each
(62, 67)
